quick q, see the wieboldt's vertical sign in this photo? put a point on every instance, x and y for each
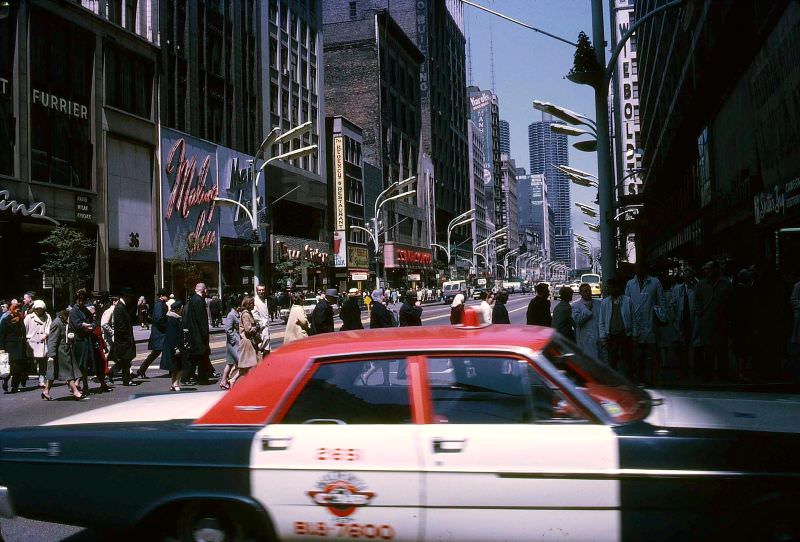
(188, 189)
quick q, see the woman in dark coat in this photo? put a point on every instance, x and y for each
(14, 342)
(231, 324)
(499, 310)
(173, 352)
(61, 362)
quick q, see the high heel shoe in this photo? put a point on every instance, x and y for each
(80, 397)
(174, 388)
(46, 397)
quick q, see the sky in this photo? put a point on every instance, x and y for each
(530, 66)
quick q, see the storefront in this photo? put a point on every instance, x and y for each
(777, 219)
(407, 266)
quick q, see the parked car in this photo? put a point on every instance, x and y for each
(418, 433)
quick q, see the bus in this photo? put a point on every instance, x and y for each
(451, 288)
(593, 280)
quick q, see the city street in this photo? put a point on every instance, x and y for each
(27, 408)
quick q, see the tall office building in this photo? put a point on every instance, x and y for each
(436, 27)
(510, 217)
(535, 213)
(477, 193)
(505, 137)
(548, 150)
(486, 115)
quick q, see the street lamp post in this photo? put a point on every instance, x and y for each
(276, 136)
(464, 218)
(374, 231)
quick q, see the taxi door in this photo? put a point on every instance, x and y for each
(343, 461)
(507, 460)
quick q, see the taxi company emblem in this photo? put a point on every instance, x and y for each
(341, 494)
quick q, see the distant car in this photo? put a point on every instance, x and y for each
(575, 285)
(593, 280)
(476, 294)
(468, 433)
(308, 307)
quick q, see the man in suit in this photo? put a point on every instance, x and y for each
(322, 316)
(350, 311)
(157, 331)
(195, 323)
(379, 315)
(538, 313)
(124, 348)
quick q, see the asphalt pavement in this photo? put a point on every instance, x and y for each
(26, 408)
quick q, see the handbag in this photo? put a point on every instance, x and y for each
(5, 365)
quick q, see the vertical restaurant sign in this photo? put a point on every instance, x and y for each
(189, 188)
(339, 217)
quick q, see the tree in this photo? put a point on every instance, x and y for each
(585, 57)
(67, 254)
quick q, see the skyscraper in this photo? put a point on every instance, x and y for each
(548, 150)
(505, 137)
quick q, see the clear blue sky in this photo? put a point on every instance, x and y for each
(529, 66)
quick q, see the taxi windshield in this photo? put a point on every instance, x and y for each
(590, 279)
(617, 396)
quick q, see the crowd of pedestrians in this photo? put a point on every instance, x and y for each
(707, 329)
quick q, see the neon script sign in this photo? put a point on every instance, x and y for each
(37, 210)
(189, 191)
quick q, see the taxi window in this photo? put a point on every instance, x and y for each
(486, 390)
(354, 392)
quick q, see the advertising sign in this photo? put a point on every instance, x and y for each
(395, 255)
(413, 277)
(357, 257)
(339, 249)
(359, 276)
(188, 190)
(339, 218)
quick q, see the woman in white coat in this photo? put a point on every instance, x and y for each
(586, 315)
(37, 328)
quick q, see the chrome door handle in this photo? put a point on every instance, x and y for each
(275, 443)
(448, 446)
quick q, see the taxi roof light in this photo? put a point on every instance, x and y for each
(470, 318)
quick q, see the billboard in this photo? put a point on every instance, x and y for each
(188, 189)
(339, 248)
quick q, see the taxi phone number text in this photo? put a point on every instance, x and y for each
(345, 530)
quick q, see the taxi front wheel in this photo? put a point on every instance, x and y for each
(217, 522)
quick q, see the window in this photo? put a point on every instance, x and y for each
(353, 12)
(7, 121)
(61, 79)
(494, 390)
(354, 392)
(129, 82)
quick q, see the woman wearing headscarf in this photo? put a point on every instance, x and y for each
(61, 362)
(12, 340)
(248, 338)
(231, 323)
(457, 309)
(174, 350)
(297, 324)
(37, 328)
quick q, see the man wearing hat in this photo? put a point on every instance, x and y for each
(124, 349)
(322, 316)
(157, 331)
(351, 311)
(379, 315)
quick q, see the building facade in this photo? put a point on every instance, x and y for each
(548, 150)
(510, 201)
(477, 197)
(535, 213)
(351, 259)
(373, 80)
(437, 28)
(78, 140)
(733, 168)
